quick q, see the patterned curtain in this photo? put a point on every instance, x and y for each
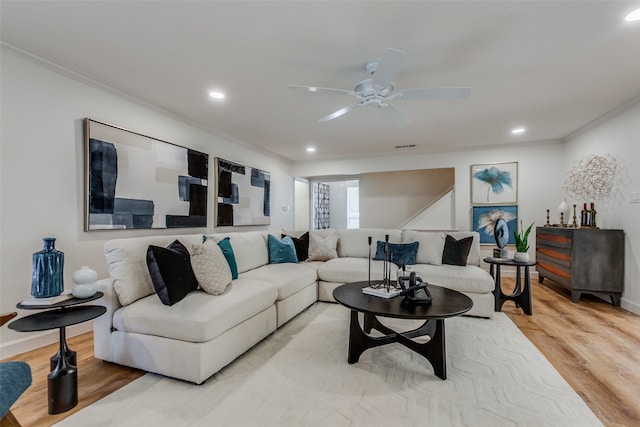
(320, 206)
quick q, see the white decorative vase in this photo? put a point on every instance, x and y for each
(521, 256)
(84, 281)
(564, 209)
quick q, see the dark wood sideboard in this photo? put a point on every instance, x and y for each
(582, 260)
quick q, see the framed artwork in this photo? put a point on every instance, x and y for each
(133, 181)
(484, 220)
(494, 184)
(243, 195)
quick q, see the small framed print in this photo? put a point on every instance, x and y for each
(494, 184)
(484, 219)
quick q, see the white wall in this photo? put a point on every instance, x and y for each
(338, 203)
(619, 136)
(42, 175)
(540, 172)
(301, 203)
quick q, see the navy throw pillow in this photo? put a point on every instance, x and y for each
(401, 253)
(171, 272)
(456, 251)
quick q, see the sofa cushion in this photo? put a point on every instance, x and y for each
(431, 245)
(470, 279)
(281, 251)
(210, 267)
(126, 259)
(286, 278)
(199, 317)
(322, 248)
(249, 248)
(455, 251)
(399, 253)
(171, 272)
(345, 270)
(354, 242)
(301, 244)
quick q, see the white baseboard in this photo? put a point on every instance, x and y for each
(630, 305)
(33, 340)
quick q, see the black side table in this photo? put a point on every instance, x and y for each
(521, 294)
(63, 378)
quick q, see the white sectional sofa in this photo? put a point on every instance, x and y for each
(197, 336)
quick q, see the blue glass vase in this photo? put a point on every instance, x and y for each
(46, 280)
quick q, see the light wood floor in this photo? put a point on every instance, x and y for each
(594, 346)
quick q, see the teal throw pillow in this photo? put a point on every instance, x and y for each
(227, 250)
(401, 253)
(281, 251)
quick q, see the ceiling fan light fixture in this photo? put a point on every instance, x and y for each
(633, 16)
(518, 131)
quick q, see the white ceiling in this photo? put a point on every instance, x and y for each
(551, 66)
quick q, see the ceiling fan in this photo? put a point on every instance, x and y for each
(380, 89)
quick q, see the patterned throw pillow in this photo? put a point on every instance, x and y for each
(323, 248)
(210, 267)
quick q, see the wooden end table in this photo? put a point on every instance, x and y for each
(445, 303)
(63, 378)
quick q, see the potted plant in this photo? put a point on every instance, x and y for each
(522, 244)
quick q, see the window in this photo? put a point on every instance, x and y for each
(353, 207)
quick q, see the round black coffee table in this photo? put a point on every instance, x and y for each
(63, 378)
(445, 303)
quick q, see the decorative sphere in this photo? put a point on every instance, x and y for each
(85, 275)
(85, 282)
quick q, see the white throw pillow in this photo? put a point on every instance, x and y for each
(210, 267)
(322, 248)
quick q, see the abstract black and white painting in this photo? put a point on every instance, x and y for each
(135, 182)
(243, 195)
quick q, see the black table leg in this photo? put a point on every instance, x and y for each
(433, 350)
(62, 381)
(521, 294)
(497, 290)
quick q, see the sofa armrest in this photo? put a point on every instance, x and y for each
(102, 326)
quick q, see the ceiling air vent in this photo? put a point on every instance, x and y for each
(406, 146)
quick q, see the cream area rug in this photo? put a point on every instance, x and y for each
(299, 376)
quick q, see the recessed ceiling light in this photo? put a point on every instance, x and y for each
(216, 94)
(633, 16)
(311, 149)
(517, 131)
(313, 89)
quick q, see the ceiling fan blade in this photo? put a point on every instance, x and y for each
(434, 93)
(315, 89)
(394, 115)
(388, 67)
(340, 112)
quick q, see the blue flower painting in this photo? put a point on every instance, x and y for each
(494, 184)
(485, 218)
